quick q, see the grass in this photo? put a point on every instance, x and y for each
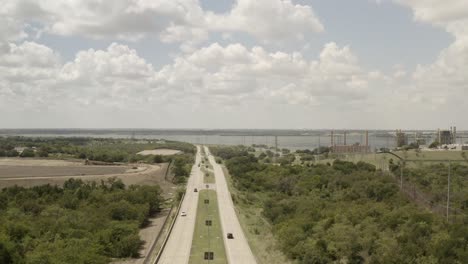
(417, 159)
(256, 228)
(432, 155)
(207, 238)
(207, 170)
(208, 177)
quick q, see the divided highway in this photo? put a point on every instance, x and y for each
(177, 250)
(237, 249)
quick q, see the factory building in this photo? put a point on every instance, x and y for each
(447, 137)
(344, 148)
(401, 138)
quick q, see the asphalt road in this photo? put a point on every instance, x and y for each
(237, 249)
(177, 250)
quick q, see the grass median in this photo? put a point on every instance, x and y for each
(207, 238)
(208, 174)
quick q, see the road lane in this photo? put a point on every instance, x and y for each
(237, 249)
(177, 250)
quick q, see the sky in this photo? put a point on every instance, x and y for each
(267, 64)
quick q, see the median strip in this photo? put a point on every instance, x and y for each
(207, 244)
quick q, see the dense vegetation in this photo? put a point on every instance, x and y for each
(99, 149)
(79, 223)
(433, 180)
(343, 213)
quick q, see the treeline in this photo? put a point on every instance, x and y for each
(181, 167)
(433, 181)
(78, 223)
(343, 213)
(99, 149)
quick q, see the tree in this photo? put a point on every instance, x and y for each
(11, 153)
(27, 153)
(43, 152)
(158, 159)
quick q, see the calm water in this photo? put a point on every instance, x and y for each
(291, 139)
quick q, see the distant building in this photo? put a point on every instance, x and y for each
(350, 149)
(401, 138)
(447, 137)
(356, 148)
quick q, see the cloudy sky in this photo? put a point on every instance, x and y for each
(233, 64)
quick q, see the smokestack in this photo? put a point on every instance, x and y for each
(455, 134)
(344, 138)
(367, 138)
(332, 138)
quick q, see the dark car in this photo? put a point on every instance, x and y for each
(230, 236)
(195, 190)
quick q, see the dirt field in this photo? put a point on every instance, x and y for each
(162, 152)
(33, 172)
(38, 162)
(52, 171)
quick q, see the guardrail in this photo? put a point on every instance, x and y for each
(149, 255)
(169, 232)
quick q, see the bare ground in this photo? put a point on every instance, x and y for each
(7, 171)
(33, 172)
(162, 152)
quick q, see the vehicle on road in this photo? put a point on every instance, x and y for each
(195, 190)
(183, 214)
(230, 236)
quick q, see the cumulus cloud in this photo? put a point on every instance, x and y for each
(451, 15)
(27, 72)
(28, 62)
(173, 21)
(34, 75)
(442, 82)
(268, 19)
(222, 75)
(233, 74)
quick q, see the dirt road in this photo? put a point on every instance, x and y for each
(177, 250)
(237, 249)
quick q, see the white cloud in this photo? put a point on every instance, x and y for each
(268, 20)
(442, 82)
(124, 19)
(451, 15)
(231, 75)
(174, 21)
(33, 75)
(28, 61)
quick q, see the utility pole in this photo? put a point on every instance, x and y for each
(276, 147)
(448, 191)
(401, 175)
(317, 156)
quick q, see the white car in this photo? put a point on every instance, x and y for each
(183, 214)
